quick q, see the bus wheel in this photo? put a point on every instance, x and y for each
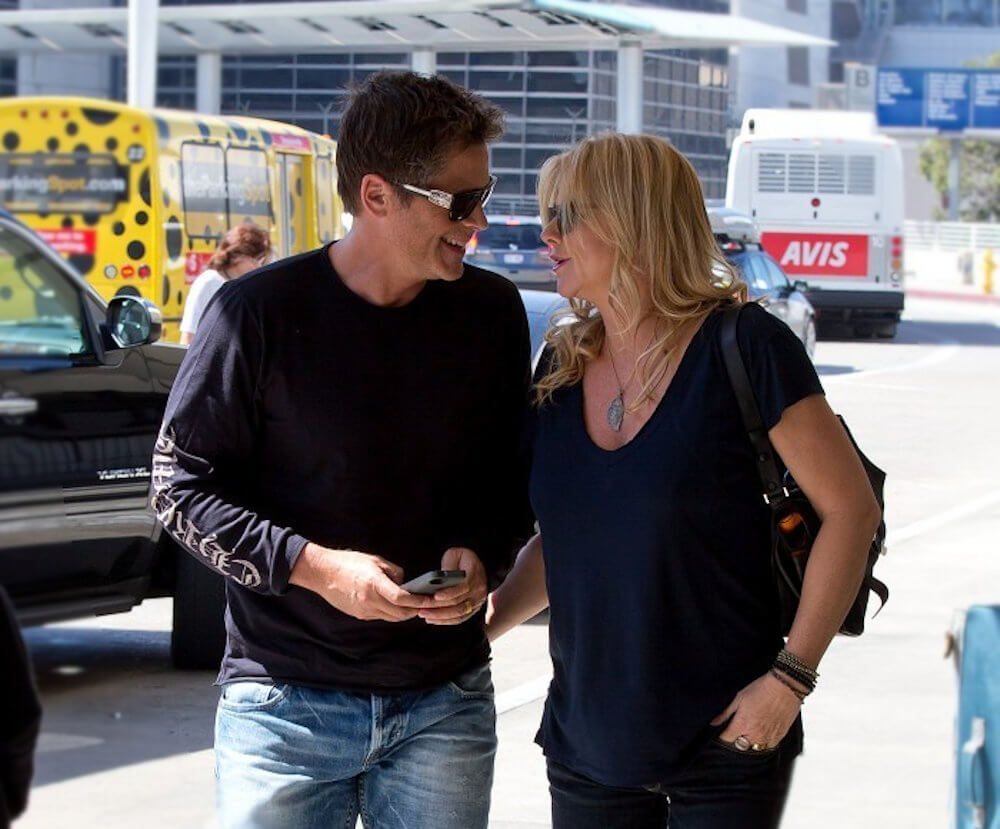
(887, 331)
(199, 633)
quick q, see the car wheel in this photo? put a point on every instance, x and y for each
(887, 331)
(199, 633)
(809, 337)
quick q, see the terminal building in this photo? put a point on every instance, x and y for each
(552, 97)
(693, 95)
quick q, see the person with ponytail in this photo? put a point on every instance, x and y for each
(242, 249)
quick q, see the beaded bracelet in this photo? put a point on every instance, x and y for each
(794, 668)
(800, 694)
(801, 678)
(789, 658)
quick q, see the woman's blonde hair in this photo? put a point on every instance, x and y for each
(639, 195)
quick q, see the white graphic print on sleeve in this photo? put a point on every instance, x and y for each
(182, 529)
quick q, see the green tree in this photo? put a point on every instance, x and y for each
(979, 165)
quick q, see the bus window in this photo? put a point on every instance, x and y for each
(293, 219)
(203, 186)
(324, 199)
(249, 192)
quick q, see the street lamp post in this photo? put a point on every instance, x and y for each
(327, 110)
(574, 113)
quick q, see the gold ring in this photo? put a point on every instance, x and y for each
(468, 607)
(759, 747)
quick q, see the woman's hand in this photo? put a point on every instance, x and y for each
(762, 712)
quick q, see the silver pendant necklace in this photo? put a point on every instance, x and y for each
(616, 408)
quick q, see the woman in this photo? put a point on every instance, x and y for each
(673, 701)
(242, 249)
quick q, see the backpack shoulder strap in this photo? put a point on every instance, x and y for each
(770, 477)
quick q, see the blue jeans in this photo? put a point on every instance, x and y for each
(722, 788)
(290, 756)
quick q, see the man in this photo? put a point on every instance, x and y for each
(21, 719)
(348, 419)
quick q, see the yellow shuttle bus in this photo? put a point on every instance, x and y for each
(137, 199)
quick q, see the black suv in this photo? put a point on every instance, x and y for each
(83, 385)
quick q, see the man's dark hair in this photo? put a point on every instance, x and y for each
(403, 126)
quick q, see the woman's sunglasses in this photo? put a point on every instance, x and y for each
(459, 205)
(563, 215)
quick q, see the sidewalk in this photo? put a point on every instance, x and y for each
(958, 293)
(935, 275)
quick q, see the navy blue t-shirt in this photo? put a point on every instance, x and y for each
(662, 604)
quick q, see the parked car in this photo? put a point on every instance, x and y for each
(540, 306)
(512, 246)
(739, 238)
(83, 385)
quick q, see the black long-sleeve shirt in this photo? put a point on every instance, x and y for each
(303, 412)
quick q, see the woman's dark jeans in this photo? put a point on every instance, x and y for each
(722, 788)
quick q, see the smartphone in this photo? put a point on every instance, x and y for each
(434, 580)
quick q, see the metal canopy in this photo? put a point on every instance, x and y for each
(375, 25)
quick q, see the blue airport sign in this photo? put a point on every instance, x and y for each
(949, 100)
(986, 100)
(899, 98)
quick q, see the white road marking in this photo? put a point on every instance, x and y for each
(947, 349)
(888, 387)
(527, 692)
(926, 525)
(49, 742)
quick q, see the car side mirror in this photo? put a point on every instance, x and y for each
(133, 321)
(800, 285)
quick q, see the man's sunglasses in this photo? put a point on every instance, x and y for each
(459, 205)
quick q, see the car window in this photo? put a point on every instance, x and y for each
(774, 272)
(511, 237)
(752, 270)
(40, 309)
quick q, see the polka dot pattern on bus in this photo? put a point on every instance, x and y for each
(137, 199)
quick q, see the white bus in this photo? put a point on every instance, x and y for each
(827, 193)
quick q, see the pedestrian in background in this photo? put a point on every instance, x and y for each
(241, 250)
(674, 701)
(20, 717)
(349, 419)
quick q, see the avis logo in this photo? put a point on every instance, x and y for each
(819, 254)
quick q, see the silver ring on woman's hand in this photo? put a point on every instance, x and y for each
(743, 743)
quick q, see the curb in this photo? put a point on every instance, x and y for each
(956, 296)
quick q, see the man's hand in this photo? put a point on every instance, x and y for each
(360, 585)
(457, 604)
